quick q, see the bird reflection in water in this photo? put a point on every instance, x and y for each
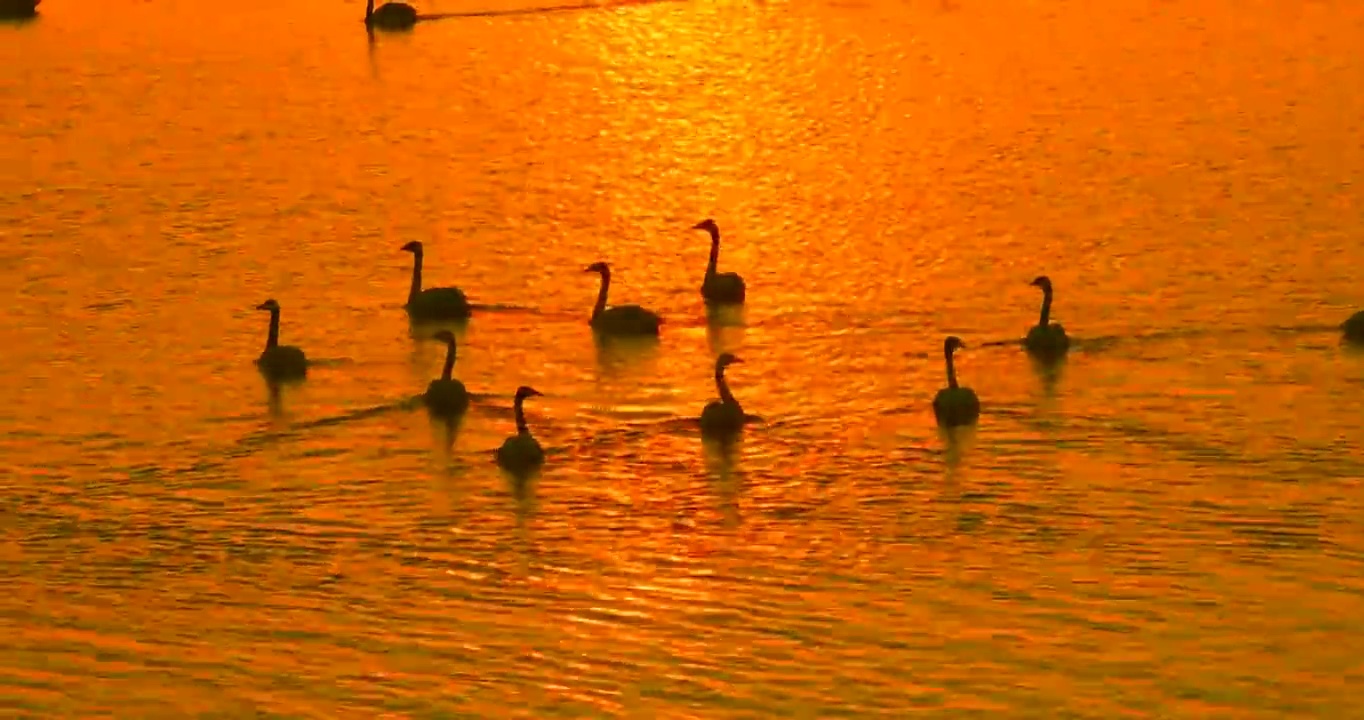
(721, 457)
(275, 401)
(1049, 373)
(616, 355)
(725, 327)
(958, 440)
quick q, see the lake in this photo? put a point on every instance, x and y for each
(1166, 525)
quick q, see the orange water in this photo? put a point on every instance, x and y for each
(1168, 527)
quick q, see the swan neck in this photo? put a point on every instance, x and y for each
(601, 294)
(272, 340)
(722, 387)
(521, 428)
(1046, 307)
(449, 361)
(369, 10)
(714, 254)
(416, 288)
(951, 370)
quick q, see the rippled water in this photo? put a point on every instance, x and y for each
(1169, 526)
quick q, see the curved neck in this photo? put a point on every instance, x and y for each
(416, 274)
(272, 339)
(722, 387)
(521, 428)
(714, 253)
(449, 361)
(601, 294)
(369, 10)
(1046, 307)
(951, 370)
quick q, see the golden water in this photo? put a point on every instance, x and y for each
(1169, 527)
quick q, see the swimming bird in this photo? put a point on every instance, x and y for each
(521, 453)
(1046, 339)
(1354, 327)
(446, 396)
(390, 16)
(18, 9)
(439, 303)
(718, 287)
(955, 405)
(279, 362)
(724, 416)
(622, 319)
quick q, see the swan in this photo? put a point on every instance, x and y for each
(723, 416)
(1354, 327)
(390, 15)
(279, 362)
(17, 9)
(719, 287)
(521, 453)
(622, 319)
(445, 303)
(1046, 339)
(445, 395)
(955, 405)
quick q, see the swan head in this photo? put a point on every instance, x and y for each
(444, 336)
(952, 344)
(1041, 281)
(725, 360)
(708, 225)
(526, 391)
(270, 305)
(413, 247)
(598, 267)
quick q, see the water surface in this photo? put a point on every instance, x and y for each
(1167, 526)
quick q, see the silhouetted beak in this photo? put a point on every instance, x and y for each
(736, 361)
(699, 226)
(535, 393)
(262, 306)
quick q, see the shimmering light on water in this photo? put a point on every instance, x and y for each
(1168, 525)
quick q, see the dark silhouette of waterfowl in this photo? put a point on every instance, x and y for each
(437, 303)
(621, 319)
(725, 416)
(1046, 340)
(1353, 328)
(279, 362)
(446, 396)
(718, 287)
(390, 16)
(521, 453)
(955, 405)
(18, 9)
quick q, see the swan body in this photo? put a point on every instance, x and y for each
(955, 405)
(447, 303)
(11, 9)
(725, 416)
(446, 396)
(390, 15)
(718, 287)
(521, 453)
(279, 362)
(1046, 339)
(621, 319)
(1354, 327)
